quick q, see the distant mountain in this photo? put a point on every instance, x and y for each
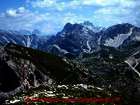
(90, 26)
(108, 59)
(75, 39)
(115, 35)
(23, 37)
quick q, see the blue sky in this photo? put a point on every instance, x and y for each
(49, 16)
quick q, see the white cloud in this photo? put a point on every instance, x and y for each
(61, 5)
(16, 12)
(43, 3)
(21, 9)
(98, 2)
(124, 3)
(48, 20)
(113, 11)
(21, 18)
(51, 4)
(11, 12)
(110, 16)
(74, 18)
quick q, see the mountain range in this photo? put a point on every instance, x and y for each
(106, 58)
(75, 39)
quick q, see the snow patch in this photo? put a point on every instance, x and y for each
(99, 40)
(137, 38)
(133, 68)
(13, 41)
(61, 50)
(88, 50)
(118, 40)
(99, 88)
(14, 101)
(5, 39)
(62, 86)
(29, 41)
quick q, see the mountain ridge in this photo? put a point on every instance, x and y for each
(75, 39)
(76, 55)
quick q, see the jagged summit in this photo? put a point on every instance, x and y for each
(108, 59)
(75, 39)
(92, 27)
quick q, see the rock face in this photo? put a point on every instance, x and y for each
(116, 70)
(23, 37)
(75, 39)
(8, 78)
(115, 35)
(22, 68)
(108, 58)
(108, 69)
(120, 35)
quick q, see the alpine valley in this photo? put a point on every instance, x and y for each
(81, 60)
